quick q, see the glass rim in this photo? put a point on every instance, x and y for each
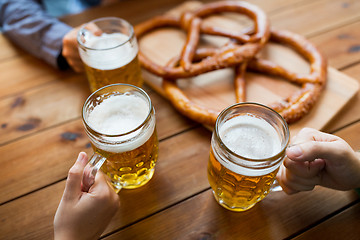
(271, 158)
(92, 130)
(130, 36)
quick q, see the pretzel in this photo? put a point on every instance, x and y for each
(291, 108)
(299, 103)
(239, 53)
(226, 56)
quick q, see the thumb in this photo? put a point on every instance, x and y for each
(73, 182)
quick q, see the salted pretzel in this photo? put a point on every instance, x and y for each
(226, 56)
(291, 108)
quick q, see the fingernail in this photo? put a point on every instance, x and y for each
(296, 151)
(81, 157)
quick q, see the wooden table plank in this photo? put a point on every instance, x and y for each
(25, 72)
(180, 173)
(45, 157)
(172, 160)
(61, 101)
(133, 11)
(41, 159)
(345, 225)
(351, 134)
(147, 9)
(314, 17)
(341, 46)
(351, 111)
(8, 49)
(177, 202)
(271, 7)
(41, 108)
(32, 216)
(177, 173)
(276, 217)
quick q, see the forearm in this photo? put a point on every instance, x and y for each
(26, 23)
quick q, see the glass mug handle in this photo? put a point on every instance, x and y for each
(275, 187)
(90, 170)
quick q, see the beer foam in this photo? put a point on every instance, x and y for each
(121, 114)
(250, 137)
(109, 51)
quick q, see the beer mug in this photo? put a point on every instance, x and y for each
(119, 119)
(108, 49)
(247, 148)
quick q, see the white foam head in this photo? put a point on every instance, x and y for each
(250, 137)
(120, 114)
(108, 51)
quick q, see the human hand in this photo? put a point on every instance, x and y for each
(70, 49)
(317, 158)
(84, 215)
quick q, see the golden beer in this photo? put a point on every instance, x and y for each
(130, 73)
(108, 49)
(247, 149)
(235, 191)
(131, 169)
(120, 122)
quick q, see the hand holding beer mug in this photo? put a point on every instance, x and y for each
(119, 119)
(109, 49)
(247, 148)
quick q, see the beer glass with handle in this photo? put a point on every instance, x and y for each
(109, 49)
(119, 119)
(247, 148)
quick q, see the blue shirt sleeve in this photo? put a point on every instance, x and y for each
(26, 23)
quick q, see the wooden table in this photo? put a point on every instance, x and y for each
(41, 133)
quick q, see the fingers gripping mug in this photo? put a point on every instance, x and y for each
(119, 119)
(247, 148)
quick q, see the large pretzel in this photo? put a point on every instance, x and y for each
(291, 108)
(226, 56)
(238, 53)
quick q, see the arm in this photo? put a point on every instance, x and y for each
(26, 23)
(318, 158)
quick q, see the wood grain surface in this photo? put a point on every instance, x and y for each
(41, 133)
